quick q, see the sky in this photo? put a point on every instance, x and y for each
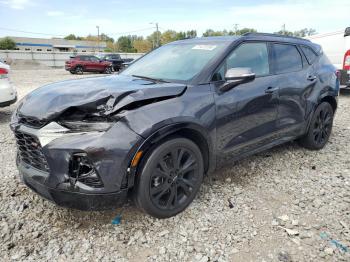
(122, 17)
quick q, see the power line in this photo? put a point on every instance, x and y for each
(27, 32)
(135, 31)
(37, 33)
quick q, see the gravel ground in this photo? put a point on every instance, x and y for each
(286, 204)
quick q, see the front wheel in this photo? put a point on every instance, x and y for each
(79, 70)
(320, 128)
(170, 177)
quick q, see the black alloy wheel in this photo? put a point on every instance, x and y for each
(320, 127)
(108, 70)
(79, 70)
(170, 178)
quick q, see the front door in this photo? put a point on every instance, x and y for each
(246, 115)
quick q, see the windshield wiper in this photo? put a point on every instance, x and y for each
(151, 79)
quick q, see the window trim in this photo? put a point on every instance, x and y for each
(274, 57)
(269, 56)
(305, 46)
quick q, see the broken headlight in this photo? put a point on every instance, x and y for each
(83, 126)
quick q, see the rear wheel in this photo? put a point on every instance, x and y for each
(170, 177)
(320, 128)
(108, 70)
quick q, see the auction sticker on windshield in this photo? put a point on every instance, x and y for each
(204, 47)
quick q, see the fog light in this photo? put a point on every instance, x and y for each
(81, 170)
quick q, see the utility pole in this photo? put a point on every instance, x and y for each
(157, 34)
(235, 26)
(98, 38)
(284, 29)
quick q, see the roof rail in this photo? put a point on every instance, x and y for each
(275, 35)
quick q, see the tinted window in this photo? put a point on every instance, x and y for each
(94, 59)
(287, 58)
(177, 62)
(252, 55)
(310, 55)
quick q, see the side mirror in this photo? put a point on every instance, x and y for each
(236, 76)
(347, 31)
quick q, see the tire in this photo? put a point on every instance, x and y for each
(72, 72)
(79, 70)
(169, 178)
(108, 70)
(320, 128)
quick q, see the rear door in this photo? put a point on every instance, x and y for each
(246, 115)
(296, 81)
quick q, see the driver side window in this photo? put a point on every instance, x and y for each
(252, 55)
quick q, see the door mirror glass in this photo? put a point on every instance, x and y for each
(236, 76)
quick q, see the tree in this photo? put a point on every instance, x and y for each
(211, 32)
(125, 44)
(243, 31)
(305, 32)
(284, 32)
(191, 34)
(7, 44)
(73, 37)
(142, 45)
(300, 33)
(106, 38)
(168, 36)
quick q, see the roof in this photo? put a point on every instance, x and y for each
(252, 36)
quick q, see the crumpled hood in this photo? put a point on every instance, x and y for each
(102, 95)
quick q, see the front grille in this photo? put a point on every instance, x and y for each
(30, 151)
(31, 122)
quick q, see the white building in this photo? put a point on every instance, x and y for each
(57, 45)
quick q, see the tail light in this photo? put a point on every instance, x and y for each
(3, 73)
(346, 65)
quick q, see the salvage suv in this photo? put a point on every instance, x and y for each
(87, 63)
(186, 108)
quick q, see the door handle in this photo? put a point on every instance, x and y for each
(271, 89)
(311, 78)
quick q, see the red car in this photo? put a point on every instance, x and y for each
(87, 63)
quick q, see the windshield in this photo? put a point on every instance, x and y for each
(174, 62)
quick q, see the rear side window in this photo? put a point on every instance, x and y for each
(287, 58)
(94, 59)
(310, 55)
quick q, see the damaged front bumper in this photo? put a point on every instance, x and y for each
(33, 178)
(86, 171)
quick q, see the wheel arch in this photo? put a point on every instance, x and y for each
(191, 131)
(331, 100)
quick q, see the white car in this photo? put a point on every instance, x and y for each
(336, 46)
(8, 94)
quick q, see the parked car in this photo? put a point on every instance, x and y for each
(8, 93)
(117, 62)
(336, 46)
(176, 114)
(87, 63)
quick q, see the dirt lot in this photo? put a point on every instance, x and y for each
(287, 204)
